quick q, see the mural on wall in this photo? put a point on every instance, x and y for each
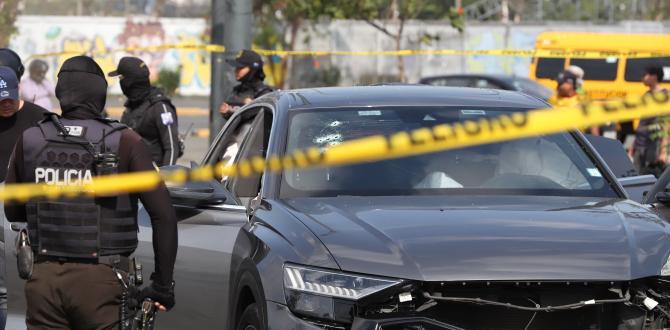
(102, 35)
(499, 64)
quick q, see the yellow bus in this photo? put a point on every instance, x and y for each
(612, 77)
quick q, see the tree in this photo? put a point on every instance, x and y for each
(377, 12)
(279, 22)
(9, 9)
(279, 18)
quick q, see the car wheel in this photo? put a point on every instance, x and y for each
(250, 319)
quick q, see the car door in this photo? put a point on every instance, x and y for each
(210, 219)
(614, 155)
(659, 195)
(210, 214)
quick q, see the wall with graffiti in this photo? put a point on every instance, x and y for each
(38, 35)
(97, 34)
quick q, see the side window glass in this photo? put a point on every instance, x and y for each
(228, 146)
(635, 67)
(549, 67)
(460, 82)
(597, 69)
(453, 82)
(254, 145)
(485, 83)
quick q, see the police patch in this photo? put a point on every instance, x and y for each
(166, 118)
(75, 130)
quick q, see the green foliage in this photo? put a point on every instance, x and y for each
(385, 9)
(8, 12)
(169, 80)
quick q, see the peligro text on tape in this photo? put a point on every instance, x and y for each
(374, 148)
(549, 53)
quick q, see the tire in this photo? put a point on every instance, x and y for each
(250, 319)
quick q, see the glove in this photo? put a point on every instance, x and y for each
(159, 293)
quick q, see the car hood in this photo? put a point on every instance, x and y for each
(489, 237)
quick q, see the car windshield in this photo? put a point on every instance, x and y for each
(530, 87)
(544, 165)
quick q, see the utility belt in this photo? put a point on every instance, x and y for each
(118, 262)
(27, 255)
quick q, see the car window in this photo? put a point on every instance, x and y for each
(532, 88)
(452, 82)
(549, 68)
(254, 145)
(544, 165)
(227, 143)
(486, 83)
(597, 69)
(635, 67)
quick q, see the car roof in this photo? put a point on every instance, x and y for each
(497, 76)
(405, 95)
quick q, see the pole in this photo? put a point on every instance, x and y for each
(231, 27)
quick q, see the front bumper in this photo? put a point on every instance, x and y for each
(280, 317)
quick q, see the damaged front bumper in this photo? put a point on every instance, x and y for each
(640, 304)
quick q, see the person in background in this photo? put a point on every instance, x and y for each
(16, 116)
(579, 72)
(650, 149)
(566, 90)
(149, 112)
(36, 88)
(249, 72)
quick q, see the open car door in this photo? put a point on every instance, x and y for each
(616, 158)
(659, 195)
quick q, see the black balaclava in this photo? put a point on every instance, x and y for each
(81, 88)
(255, 75)
(135, 87)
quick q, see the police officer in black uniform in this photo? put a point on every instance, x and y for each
(149, 111)
(82, 244)
(249, 72)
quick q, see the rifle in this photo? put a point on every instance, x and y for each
(133, 315)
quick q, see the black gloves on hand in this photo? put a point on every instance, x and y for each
(161, 294)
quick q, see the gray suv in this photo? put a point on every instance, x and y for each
(536, 233)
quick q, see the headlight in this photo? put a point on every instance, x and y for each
(665, 271)
(328, 294)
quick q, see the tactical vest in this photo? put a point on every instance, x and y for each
(80, 227)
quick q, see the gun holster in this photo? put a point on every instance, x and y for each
(25, 257)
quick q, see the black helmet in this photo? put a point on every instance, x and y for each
(11, 59)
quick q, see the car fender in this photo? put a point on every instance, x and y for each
(281, 238)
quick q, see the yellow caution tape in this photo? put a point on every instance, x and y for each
(373, 148)
(549, 53)
(454, 52)
(155, 48)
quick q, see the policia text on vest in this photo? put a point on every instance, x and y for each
(86, 239)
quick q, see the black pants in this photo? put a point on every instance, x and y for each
(73, 296)
(645, 160)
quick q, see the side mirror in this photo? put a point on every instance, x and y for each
(193, 194)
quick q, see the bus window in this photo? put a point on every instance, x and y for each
(549, 67)
(597, 69)
(635, 67)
